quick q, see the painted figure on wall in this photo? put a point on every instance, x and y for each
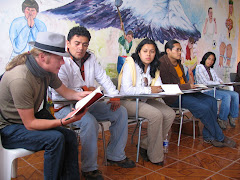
(189, 57)
(124, 41)
(225, 48)
(125, 45)
(210, 28)
(230, 22)
(24, 29)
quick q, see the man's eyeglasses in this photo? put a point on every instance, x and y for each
(178, 49)
(85, 44)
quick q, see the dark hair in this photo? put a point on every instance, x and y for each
(31, 4)
(154, 65)
(130, 33)
(170, 44)
(79, 31)
(209, 9)
(205, 58)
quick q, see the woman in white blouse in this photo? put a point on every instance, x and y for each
(205, 74)
(140, 75)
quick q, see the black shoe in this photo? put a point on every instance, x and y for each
(93, 175)
(159, 163)
(126, 163)
(143, 153)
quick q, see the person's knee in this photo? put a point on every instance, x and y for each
(226, 98)
(56, 137)
(122, 111)
(88, 121)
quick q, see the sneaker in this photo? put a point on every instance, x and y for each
(143, 153)
(93, 175)
(232, 121)
(126, 163)
(222, 123)
(214, 143)
(229, 142)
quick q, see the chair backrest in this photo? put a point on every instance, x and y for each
(232, 76)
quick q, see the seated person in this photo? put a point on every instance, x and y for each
(237, 79)
(200, 105)
(229, 108)
(79, 73)
(22, 90)
(143, 65)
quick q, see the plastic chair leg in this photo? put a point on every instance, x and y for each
(14, 168)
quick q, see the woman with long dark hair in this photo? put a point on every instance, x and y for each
(140, 75)
(229, 108)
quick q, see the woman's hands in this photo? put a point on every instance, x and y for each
(156, 89)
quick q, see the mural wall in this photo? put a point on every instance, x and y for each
(117, 26)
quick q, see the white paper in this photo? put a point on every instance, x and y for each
(171, 89)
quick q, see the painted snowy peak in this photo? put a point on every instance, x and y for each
(156, 19)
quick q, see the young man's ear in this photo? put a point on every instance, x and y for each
(41, 56)
(168, 50)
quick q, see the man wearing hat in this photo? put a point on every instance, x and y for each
(22, 90)
(80, 72)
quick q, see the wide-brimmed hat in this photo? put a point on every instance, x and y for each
(50, 42)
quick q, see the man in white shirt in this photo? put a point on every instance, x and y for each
(80, 72)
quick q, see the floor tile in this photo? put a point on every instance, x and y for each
(219, 177)
(35, 157)
(154, 176)
(117, 173)
(181, 170)
(154, 167)
(196, 144)
(224, 152)
(207, 161)
(179, 152)
(28, 173)
(232, 171)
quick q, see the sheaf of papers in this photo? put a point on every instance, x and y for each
(201, 86)
(171, 89)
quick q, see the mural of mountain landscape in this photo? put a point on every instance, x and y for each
(157, 19)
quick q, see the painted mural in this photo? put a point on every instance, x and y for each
(117, 26)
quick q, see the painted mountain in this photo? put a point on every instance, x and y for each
(156, 19)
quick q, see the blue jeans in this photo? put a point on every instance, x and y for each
(89, 133)
(60, 145)
(121, 61)
(229, 105)
(203, 107)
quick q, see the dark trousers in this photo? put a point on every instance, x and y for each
(60, 145)
(203, 107)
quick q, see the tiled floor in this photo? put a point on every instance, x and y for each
(193, 159)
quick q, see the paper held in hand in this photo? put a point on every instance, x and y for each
(171, 89)
(88, 100)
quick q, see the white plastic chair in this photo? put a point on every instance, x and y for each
(8, 161)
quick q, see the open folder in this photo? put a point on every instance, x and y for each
(88, 100)
(171, 89)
